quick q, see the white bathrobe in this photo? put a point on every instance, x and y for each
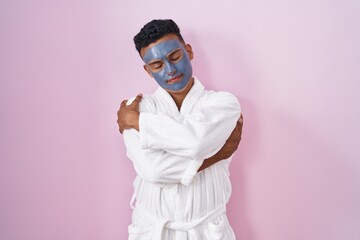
(173, 200)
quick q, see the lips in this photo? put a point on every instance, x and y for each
(175, 79)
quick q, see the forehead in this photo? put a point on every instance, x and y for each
(161, 49)
(160, 40)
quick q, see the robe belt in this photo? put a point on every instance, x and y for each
(181, 228)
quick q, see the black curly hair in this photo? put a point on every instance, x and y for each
(154, 30)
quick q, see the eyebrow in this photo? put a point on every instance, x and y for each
(173, 52)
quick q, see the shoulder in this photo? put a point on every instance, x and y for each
(212, 95)
(147, 103)
(221, 98)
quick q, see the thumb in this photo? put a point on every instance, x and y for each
(137, 100)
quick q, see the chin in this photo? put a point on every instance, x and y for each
(182, 89)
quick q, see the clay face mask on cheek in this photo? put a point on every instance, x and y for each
(173, 76)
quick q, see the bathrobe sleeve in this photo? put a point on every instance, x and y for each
(198, 135)
(157, 166)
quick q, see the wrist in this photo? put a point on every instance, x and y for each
(210, 161)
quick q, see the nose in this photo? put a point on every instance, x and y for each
(170, 69)
(172, 72)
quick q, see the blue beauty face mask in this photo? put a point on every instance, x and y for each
(169, 64)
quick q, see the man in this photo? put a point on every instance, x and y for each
(180, 140)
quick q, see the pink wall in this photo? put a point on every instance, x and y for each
(66, 65)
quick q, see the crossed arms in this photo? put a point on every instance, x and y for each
(167, 150)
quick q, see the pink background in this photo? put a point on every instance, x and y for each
(65, 66)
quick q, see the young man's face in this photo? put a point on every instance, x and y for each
(168, 61)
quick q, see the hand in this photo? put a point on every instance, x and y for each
(229, 147)
(232, 143)
(128, 115)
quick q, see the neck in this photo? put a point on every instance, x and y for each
(180, 96)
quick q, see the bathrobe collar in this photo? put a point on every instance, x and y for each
(191, 98)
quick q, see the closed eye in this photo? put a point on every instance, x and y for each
(156, 65)
(175, 55)
(175, 58)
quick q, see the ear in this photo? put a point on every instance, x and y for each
(148, 70)
(189, 51)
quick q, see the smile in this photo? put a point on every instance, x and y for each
(175, 79)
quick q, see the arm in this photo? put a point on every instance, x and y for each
(157, 166)
(199, 135)
(228, 149)
(152, 165)
(162, 168)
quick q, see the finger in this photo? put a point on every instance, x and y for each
(137, 100)
(123, 103)
(121, 129)
(241, 119)
(238, 126)
(235, 133)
